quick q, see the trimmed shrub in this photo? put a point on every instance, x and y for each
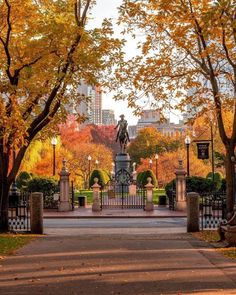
(47, 186)
(139, 178)
(170, 186)
(194, 184)
(200, 184)
(22, 180)
(145, 175)
(106, 176)
(223, 185)
(217, 179)
(98, 173)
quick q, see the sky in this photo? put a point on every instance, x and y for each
(108, 9)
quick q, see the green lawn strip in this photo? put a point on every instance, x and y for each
(87, 193)
(212, 236)
(9, 243)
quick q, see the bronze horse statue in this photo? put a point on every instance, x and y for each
(122, 133)
(123, 140)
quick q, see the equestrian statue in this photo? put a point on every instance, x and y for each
(122, 133)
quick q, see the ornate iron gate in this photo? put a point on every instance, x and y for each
(122, 196)
(18, 213)
(212, 210)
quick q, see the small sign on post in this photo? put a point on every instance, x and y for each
(203, 150)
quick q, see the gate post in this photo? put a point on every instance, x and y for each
(64, 204)
(149, 203)
(36, 213)
(192, 212)
(180, 187)
(96, 196)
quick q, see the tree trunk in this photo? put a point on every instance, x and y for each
(4, 202)
(230, 180)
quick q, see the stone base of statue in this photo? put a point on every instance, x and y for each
(122, 161)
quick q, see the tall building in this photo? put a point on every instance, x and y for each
(91, 105)
(108, 117)
(152, 118)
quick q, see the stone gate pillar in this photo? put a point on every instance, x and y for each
(96, 196)
(149, 203)
(64, 202)
(181, 187)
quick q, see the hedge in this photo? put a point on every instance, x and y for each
(47, 186)
(22, 180)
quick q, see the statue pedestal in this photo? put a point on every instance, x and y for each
(123, 161)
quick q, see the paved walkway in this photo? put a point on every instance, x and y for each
(159, 211)
(127, 264)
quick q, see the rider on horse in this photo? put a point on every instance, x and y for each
(122, 124)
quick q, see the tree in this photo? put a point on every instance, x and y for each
(188, 54)
(168, 162)
(149, 141)
(39, 158)
(45, 51)
(79, 164)
(72, 132)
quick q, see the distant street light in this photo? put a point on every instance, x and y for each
(187, 143)
(54, 143)
(156, 158)
(150, 163)
(96, 163)
(89, 168)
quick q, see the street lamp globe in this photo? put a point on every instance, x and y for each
(89, 158)
(156, 156)
(54, 141)
(187, 140)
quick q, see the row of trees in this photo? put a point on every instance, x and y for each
(74, 144)
(187, 53)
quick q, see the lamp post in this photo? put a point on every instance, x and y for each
(54, 143)
(113, 172)
(212, 153)
(89, 168)
(187, 143)
(156, 159)
(150, 164)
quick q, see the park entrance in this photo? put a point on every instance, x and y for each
(123, 193)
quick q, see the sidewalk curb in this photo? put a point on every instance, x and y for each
(109, 216)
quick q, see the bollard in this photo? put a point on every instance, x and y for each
(36, 213)
(192, 212)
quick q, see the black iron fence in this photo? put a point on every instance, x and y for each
(19, 212)
(171, 197)
(123, 196)
(212, 210)
(52, 201)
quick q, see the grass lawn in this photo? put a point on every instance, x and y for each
(211, 236)
(87, 193)
(9, 243)
(156, 194)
